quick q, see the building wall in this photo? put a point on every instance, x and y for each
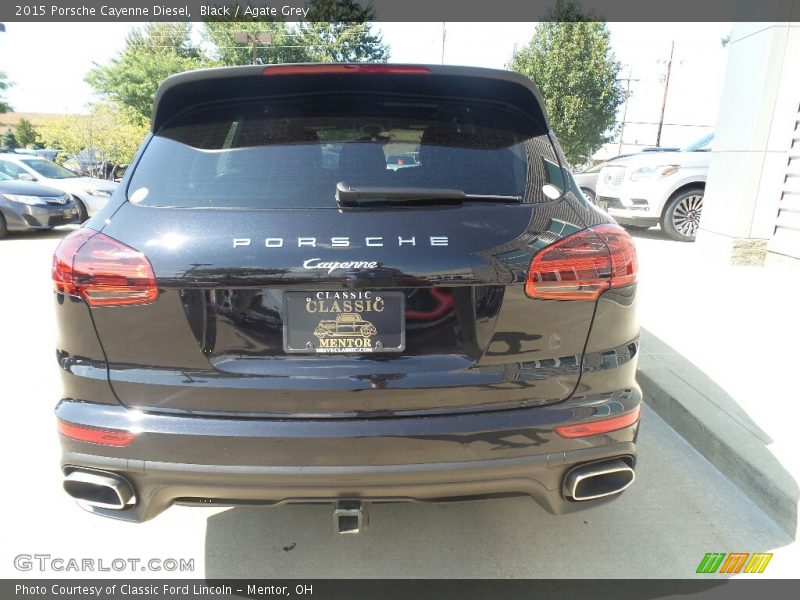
(754, 137)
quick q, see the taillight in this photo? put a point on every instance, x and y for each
(102, 271)
(599, 426)
(95, 435)
(338, 69)
(583, 265)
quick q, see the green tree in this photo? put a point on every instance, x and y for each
(571, 61)
(116, 131)
(25, 133)
(8, 140)
(150, 55)
(4, 85)
(335, 31)
(339, 31)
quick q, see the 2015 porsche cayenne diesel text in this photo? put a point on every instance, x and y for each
(247, 322)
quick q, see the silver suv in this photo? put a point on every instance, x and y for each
(666, 188)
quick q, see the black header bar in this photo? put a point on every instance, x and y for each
(699, 588)
(393, 10)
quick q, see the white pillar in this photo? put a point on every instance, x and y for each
(757, 119)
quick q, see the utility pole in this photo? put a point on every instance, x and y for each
(625, 106)
(243, 37)
(666, 88)
(444, 36)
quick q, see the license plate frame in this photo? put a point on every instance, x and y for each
(344, 322)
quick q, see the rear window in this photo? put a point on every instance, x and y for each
(291, 152)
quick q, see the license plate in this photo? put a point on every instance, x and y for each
(339, 322)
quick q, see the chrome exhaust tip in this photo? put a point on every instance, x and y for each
(350, 516)
(598, 480)
(98, 489)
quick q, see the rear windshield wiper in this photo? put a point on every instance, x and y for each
(347, 195)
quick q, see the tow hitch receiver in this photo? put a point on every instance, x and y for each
(350, 516)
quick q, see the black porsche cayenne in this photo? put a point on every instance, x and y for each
(266, 311)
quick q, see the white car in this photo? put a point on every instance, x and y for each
(89, 194)
(667, 188)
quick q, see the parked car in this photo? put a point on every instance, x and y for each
(46, 153)
(660, 149)
(465, 328)
(26, 206)
(666, 188)
(92, 162)
(587, 181)
(89, 194)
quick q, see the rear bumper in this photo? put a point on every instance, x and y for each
(214, 461)
(159, 485)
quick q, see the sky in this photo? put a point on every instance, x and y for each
(48, 62)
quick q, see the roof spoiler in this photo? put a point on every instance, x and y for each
(206, 86)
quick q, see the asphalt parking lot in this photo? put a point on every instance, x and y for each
(679, 508)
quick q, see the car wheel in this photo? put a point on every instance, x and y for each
(3, 228)
(82, 213)
(681, 218)
(368, 330)
(589, 195)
